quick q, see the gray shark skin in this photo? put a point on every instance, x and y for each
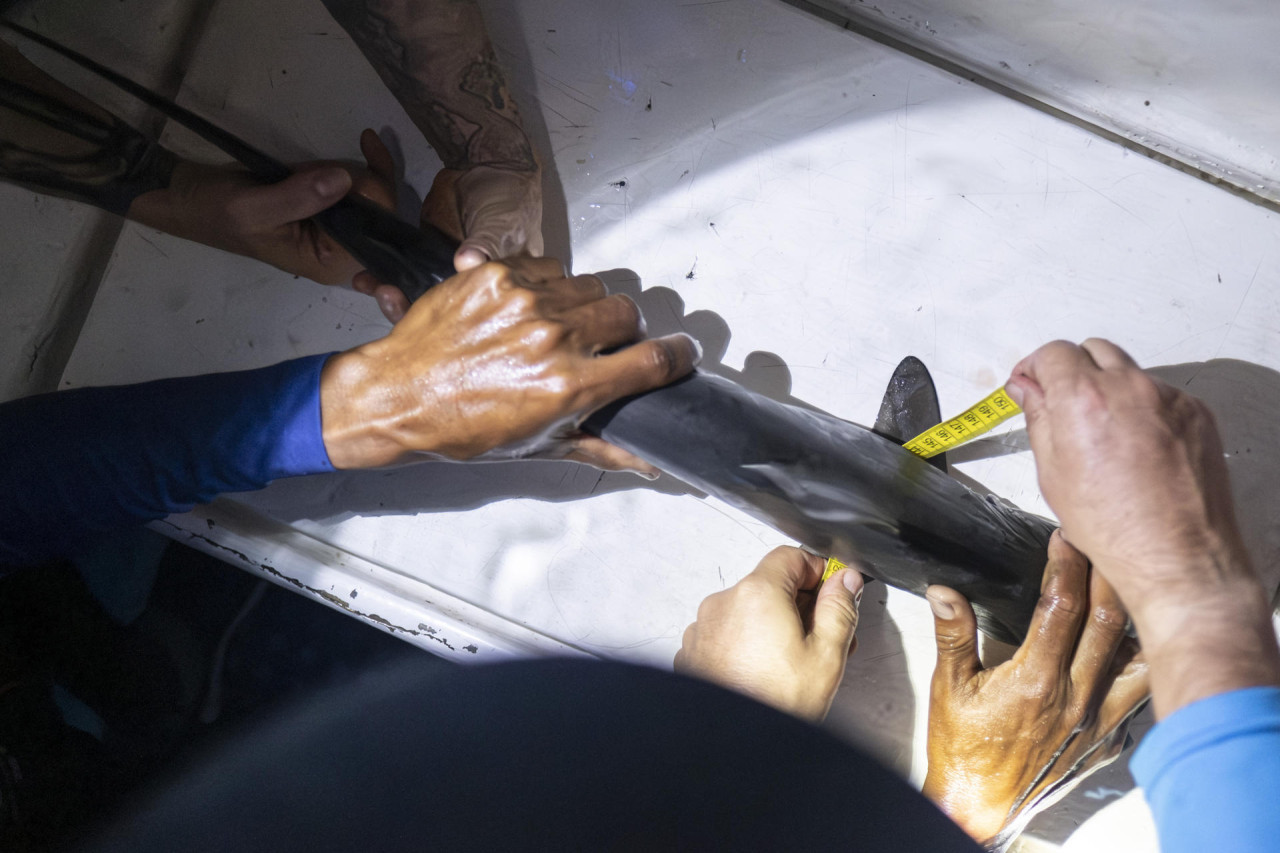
(841, 490)
(910, 406)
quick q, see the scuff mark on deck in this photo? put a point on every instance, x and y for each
(424, 630)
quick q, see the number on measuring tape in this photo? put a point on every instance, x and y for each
(989, 412)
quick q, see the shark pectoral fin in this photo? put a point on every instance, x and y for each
(910, 406)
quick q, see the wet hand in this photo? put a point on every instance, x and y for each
(502, 361)
(1000, 739)
(772, 637)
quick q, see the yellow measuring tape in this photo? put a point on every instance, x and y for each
(833, 566)
(992, 410)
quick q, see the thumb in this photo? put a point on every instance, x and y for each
(489, 238)
(1024, 388)
(377, 156)
(835, 613)
(1026, 392)
(468, 256)
(494, 230)
(956, 629)
(299, 196)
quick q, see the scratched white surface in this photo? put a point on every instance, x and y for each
(49, 246)
(1191, 79)
(812, 205)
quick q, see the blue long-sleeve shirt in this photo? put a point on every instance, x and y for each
(79, 462)
(1211, 774)
(91, 460)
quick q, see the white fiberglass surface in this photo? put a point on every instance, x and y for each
(1191, 79)
(53, 249)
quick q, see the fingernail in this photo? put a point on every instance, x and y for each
(649, 475)
(1015, 392)
(470, 257)
(697, 350)
(332, 182)
(941, 609)
(853, 582)
(390, 308)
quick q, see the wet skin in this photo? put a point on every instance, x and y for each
(501, 361)
(1001, 738)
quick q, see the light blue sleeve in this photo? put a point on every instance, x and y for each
(1211, 773)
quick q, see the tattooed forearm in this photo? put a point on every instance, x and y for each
(435, 57)
(53, 140)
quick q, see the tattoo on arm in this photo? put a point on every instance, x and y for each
(55, 141)
(436, 58)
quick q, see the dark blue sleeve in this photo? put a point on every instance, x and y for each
(1211, 773)
(78, 462)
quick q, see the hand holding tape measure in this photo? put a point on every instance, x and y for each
(989, 412)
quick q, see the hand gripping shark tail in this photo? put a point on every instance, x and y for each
(395, 252)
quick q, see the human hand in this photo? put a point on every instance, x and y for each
(1134, 470)
(1132, 466)
(227, 208)
(494, 213)
(774, 638)
(1003, 742)
(501, 361)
